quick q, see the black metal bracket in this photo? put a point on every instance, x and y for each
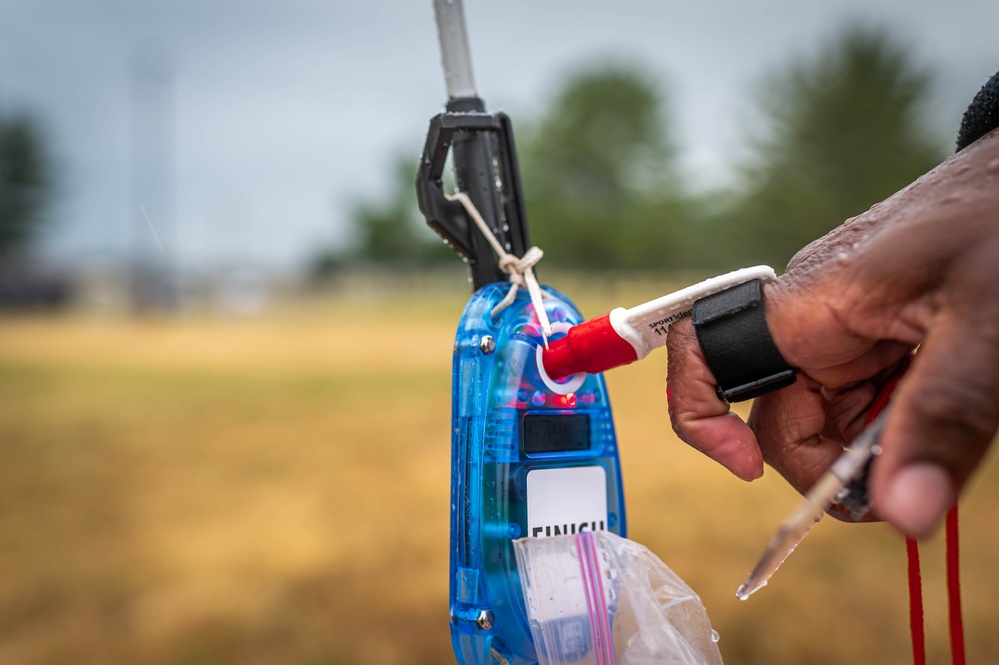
(485, 166)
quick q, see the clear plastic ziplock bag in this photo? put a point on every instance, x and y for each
(595, 598)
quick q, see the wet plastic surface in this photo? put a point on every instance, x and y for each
(505, 487)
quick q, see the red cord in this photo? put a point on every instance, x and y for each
(915, 603)
(954, 589)
(955, 621)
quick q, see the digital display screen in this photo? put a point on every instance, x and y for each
(555, 432)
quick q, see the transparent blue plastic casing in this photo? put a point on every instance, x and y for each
(529, 457)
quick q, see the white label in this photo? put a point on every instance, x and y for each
(566, 501)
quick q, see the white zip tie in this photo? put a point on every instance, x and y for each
(519, 269)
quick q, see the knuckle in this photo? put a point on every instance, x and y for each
(678, 427)
(683, 430)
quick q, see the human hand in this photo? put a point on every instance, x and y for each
(921, 268)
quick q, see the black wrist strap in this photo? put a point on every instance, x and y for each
(732, 330)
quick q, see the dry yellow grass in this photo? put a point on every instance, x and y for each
(202, 491)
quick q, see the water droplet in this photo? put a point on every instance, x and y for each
(715, 636)
(744, 592)
(538, 398)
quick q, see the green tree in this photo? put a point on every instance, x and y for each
(390, 229)
(24, 184)
(599, 174)
(844, 130)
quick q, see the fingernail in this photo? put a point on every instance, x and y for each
(917, 499)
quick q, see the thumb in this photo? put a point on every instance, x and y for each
(943, 420)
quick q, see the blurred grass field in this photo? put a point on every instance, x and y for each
(203, 490)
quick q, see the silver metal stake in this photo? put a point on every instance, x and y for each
(455, 55)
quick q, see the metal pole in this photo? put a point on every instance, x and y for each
(455, 55)
(473, 152)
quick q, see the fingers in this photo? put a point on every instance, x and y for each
(796, 430)
(699, 416)
(801, 433)
(846, 410)
(788, 427)
(943, 419)
(920, 268)
(881, 356)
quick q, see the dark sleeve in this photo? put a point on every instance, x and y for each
(982, 115)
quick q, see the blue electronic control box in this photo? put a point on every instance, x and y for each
(530, 457)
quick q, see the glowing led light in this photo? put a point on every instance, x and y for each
(567, 401)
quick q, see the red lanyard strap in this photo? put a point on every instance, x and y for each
(955, 621)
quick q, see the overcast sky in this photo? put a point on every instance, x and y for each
(285, 111)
